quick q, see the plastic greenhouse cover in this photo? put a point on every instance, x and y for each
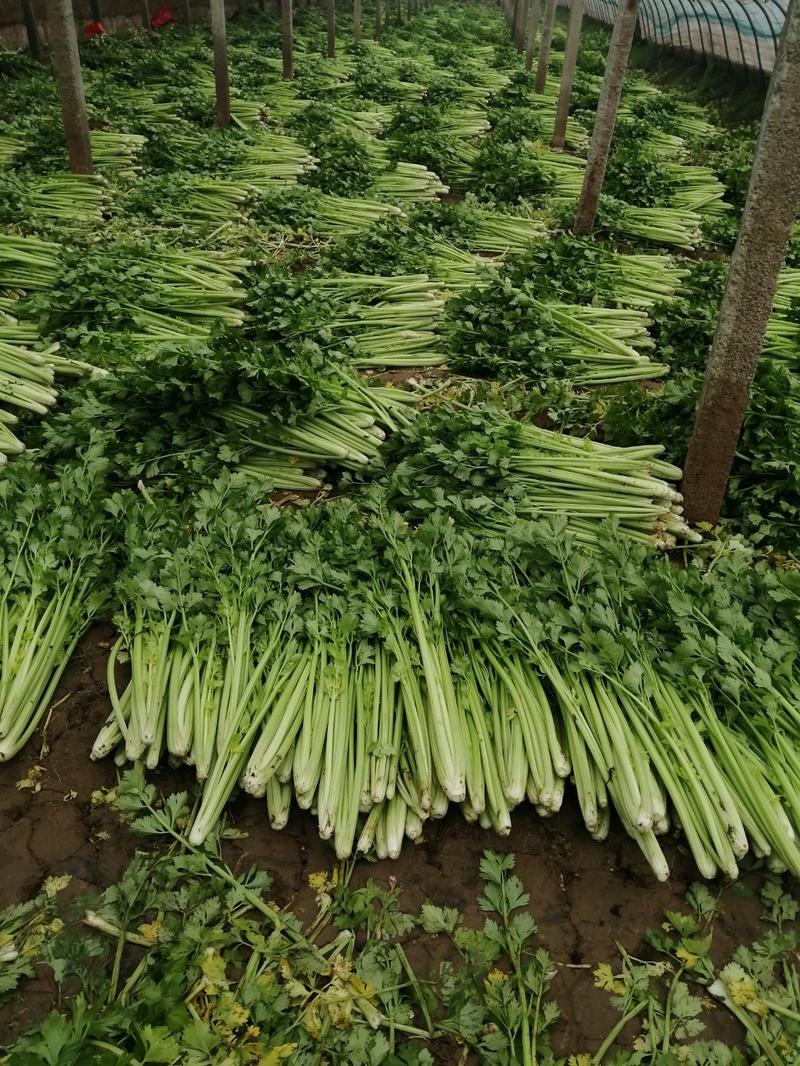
(742, 32)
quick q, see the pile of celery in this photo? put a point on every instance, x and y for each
(354, 664)
(384, 321)
(66, 199)
(52, 571)
(343, 432)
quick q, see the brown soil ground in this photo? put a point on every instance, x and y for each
(586, 897)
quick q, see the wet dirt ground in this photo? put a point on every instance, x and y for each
(586, 897)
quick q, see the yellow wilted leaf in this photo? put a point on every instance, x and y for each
(213, 968)
(150, 930)
(295, 989)
(365, 990)
(579, 1060)
(340, 968)
(230, 1013)
(744, 993)
(54, 885)
(604, 978)
(311, 1021)
(278, 1054)
(689, 959)
(33, 779)
(340, 1008)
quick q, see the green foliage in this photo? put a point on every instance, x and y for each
(508, 171)
(183, 960)
(345, 168)
(635, 174)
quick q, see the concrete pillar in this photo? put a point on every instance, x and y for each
(330, 14)
(605, 120)
(567, 73)
(286, 39)
(356, 20)
(773, 201)
(144, 11)
(221, 80)
(544, 46)
(67, 63)
(533, 25)
(519, 25)
(378, 26)
(32, 30)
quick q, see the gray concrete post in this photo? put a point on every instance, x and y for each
(544, 45)
(567, 73)
(67, 63)
(144, 11)
(32, 30)
(618, 52)
(286, 39)
(533, 25)
(221, 80)
(773, 201)
(519, 25)
(330, 16)
(356, 20)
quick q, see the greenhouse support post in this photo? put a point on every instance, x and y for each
(286, 39)
(533, 25)
(221, 80)
(330, 15)
(618, 52)
(773, 201)
(67, 63)
(567, 73)
(544, 45)
(32, 30)
(519, 25)
(356, 20)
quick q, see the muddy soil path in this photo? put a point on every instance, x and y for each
(586, 897)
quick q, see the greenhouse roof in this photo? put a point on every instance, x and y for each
(743, 32)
